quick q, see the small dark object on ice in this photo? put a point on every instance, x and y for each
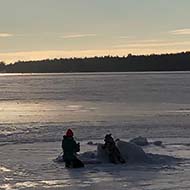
(90, 143)
(158, 143)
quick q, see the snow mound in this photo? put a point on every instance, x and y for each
(143, 141)
(130, 152)
(133, 153)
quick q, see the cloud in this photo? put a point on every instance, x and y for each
(126, 37)
(185, 31)
(77, 36)
(5, 35)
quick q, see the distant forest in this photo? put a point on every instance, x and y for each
(163, 62)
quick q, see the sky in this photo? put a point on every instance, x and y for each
(40, 29)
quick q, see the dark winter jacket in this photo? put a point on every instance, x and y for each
(70, 148)
(109, 145)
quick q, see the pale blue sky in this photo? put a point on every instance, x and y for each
(37, 29)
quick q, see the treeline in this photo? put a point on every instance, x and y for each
(163, 62)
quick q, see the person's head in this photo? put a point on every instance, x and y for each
(108, 138)
(69, 133)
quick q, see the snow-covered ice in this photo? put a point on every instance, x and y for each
(37, 109)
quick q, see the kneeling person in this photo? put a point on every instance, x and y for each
(112, 151)
(70, 148)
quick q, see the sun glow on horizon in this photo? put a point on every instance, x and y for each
(52, 54)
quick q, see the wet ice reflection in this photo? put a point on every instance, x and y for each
(4, 169)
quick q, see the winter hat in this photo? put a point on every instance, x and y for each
(69, 133)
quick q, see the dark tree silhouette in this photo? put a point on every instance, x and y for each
(2, 66)
(163, 62)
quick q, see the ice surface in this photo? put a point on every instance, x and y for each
(37, 109)
(33, 167)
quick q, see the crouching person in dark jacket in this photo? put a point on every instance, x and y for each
(70, 149)
(112, 151)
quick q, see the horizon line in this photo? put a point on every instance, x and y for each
(96, 56)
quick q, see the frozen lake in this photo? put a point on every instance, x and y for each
(36, 110)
